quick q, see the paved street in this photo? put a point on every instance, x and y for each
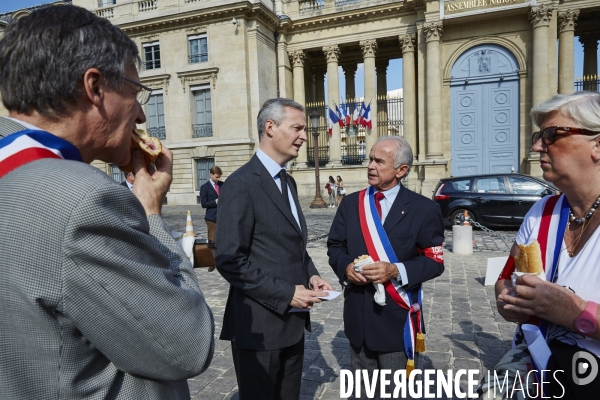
(464, 330)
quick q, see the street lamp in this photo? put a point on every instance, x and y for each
(318, 202)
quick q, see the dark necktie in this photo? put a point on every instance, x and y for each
(378, 197)
(284, 187)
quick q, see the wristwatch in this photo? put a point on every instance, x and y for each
(586, 322)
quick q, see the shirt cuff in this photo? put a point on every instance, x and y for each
(402, 278)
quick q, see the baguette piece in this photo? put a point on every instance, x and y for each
(530, 258)
(150, 146)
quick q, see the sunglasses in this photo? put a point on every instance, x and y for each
(144, 93)
(549, 134)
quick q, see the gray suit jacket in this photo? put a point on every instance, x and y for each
(261, 252)
(98, 301)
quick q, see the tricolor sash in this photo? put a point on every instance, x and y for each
(30, 145)
(380, 249)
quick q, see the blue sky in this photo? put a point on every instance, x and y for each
(394, 76)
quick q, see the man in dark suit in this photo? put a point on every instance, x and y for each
(129, 180)
(415, 230)
(261, 252)
(209, 197)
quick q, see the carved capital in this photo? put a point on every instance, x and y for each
(408, 42)
(297, 58)
(332, 53)
(540, 16)
(433, 30)
(368, 47)
(567, 20)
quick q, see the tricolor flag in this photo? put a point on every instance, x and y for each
(345, 113)
(332, 119)
(356, 116)
(340, 117)
(367, 117)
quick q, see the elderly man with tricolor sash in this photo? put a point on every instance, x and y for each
(398, 234)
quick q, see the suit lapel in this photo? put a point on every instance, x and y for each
(398, 211)
(268, 185)
(299, 210)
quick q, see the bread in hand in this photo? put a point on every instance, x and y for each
(150, 146)
(530, 258)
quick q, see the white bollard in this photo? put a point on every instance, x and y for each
(462, 240)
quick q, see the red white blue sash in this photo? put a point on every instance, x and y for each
(380, 249)
(29, 145)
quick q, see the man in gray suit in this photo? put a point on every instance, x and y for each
(98, 301)
(261, 252)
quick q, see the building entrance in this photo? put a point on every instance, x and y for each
(484, 111)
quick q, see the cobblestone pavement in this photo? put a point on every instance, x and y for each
(464, 328)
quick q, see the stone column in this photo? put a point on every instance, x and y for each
(297, 59)
(540, 19)
(332, 54)
(433, 101)
(409, 100)
(369, 47)
(382, 110)
(566, 55)
(350, 74)
(590, 57)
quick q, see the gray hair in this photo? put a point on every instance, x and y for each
(44, 56)
(403, 154)
(274, 110)
(582, 107)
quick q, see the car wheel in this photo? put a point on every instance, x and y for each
(454, 218)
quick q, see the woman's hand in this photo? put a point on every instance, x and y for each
(504, 288)
(546, 300)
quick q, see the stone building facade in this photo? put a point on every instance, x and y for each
(472, 70)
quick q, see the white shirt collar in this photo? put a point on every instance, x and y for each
(390, 194)
(269, 163)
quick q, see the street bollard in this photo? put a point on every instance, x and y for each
(462, 237)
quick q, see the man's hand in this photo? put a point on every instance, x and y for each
(320, 284)
(380, 272)
(305, 298)
(355, 277)
(151, 185)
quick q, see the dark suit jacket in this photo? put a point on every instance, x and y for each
(262, 254)
(208, 195)
(413, 222)
(124, 183)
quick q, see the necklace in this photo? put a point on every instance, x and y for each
(587, 216)
(586, 223)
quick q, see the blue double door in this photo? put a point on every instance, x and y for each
(485, 114)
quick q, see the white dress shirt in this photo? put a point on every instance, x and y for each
(274, 169)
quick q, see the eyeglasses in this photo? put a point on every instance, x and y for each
(143, 96)
(549, 134)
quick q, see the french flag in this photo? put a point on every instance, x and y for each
(356, 116)
(340, 116)
(366, 122)
(345, 113)
(331, 120)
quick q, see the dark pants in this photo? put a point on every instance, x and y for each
(364, 358)
(269, 374)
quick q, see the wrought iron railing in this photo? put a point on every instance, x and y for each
(390, 116)
(323, 147)
(202, 130)
(590, 83)
(158, 132)
(196, 58)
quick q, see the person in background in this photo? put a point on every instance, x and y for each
(565, 303)
(129, 180)
(209, 198)
(98, 300)
(330, 186)
(341, 192)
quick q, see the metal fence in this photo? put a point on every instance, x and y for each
(320, 108)
(158, 132)
(590, 83)
(203, 130)
(390, 116)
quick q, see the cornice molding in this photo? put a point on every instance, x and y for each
(157, 82)
(201, 75)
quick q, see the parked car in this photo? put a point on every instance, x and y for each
(491, 200)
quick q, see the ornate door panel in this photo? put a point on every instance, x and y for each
(484, 120)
